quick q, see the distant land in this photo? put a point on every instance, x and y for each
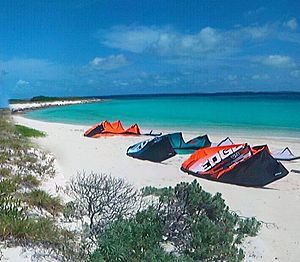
(289, 94)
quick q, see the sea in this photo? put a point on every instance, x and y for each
(264, 113)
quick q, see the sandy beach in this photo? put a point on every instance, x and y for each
(24, 107)
(277, 205)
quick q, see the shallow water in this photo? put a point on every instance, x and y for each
(278, 113)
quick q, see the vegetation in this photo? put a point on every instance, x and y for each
(22, 168)
(196, 225)
(25, 182)
(193, 224)
(29, 132)
(44, 201)
(15, 223)
(44, 99)
(17, 154)
(101, 199)
(137, 238)
(116, 222)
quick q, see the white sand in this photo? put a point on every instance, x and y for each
(279, 203)
(19, 107)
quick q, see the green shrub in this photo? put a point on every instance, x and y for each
(130, 238)
(196, 225)
(12, 218)
(4, 172)
(201, 225)
(43, 200)
(69, 210)
(29, 132)
(150, 190)
(29, 181)
(17, 224)
(17, 228)
(14, 223)
(43, 230)
(7, 187)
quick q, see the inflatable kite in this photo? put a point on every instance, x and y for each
(235, 164)
(163, 147)
(115, 128)
(284, 155)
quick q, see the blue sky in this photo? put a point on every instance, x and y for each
(104, 47)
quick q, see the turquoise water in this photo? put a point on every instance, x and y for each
(280, 113)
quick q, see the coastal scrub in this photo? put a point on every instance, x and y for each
(29, 132)
(22, 169)
(181, 223)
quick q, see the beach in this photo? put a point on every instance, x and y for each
(29, 106)
(276, 204)
(84, 88)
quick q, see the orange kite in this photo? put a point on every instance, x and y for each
(115, 128)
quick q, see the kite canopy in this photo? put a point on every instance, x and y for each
(182, 147)
(235, 164)
(115, 128)
(284, 155)
(161, 148)
(225, 142)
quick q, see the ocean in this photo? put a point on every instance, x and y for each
(265, 113)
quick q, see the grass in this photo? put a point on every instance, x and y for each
(22, 228)
(28, 181)
(29, 132)
(15, 223)
(4, 172)
(43, 200)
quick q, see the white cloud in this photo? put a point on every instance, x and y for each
(163, 41)
(278, 61)
(292, 24)
(258, 32)
(109, 63)
(22, 83)
(206, 42)
(133, 39)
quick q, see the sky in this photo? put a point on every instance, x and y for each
(107, 47)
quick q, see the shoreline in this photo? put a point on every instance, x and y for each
(22, 108)
(243, 130)
(284, 134)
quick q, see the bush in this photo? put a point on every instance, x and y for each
(69, 211)
(20, 167)
(201, 225)
(29, 132)
(7, 187)
(197, 225)
(43, 200)
(99, 199)
(4, 172)
(137, 238)
(13, 219)
(17, 155)
(29, 181)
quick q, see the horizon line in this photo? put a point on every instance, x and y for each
(172, 94)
